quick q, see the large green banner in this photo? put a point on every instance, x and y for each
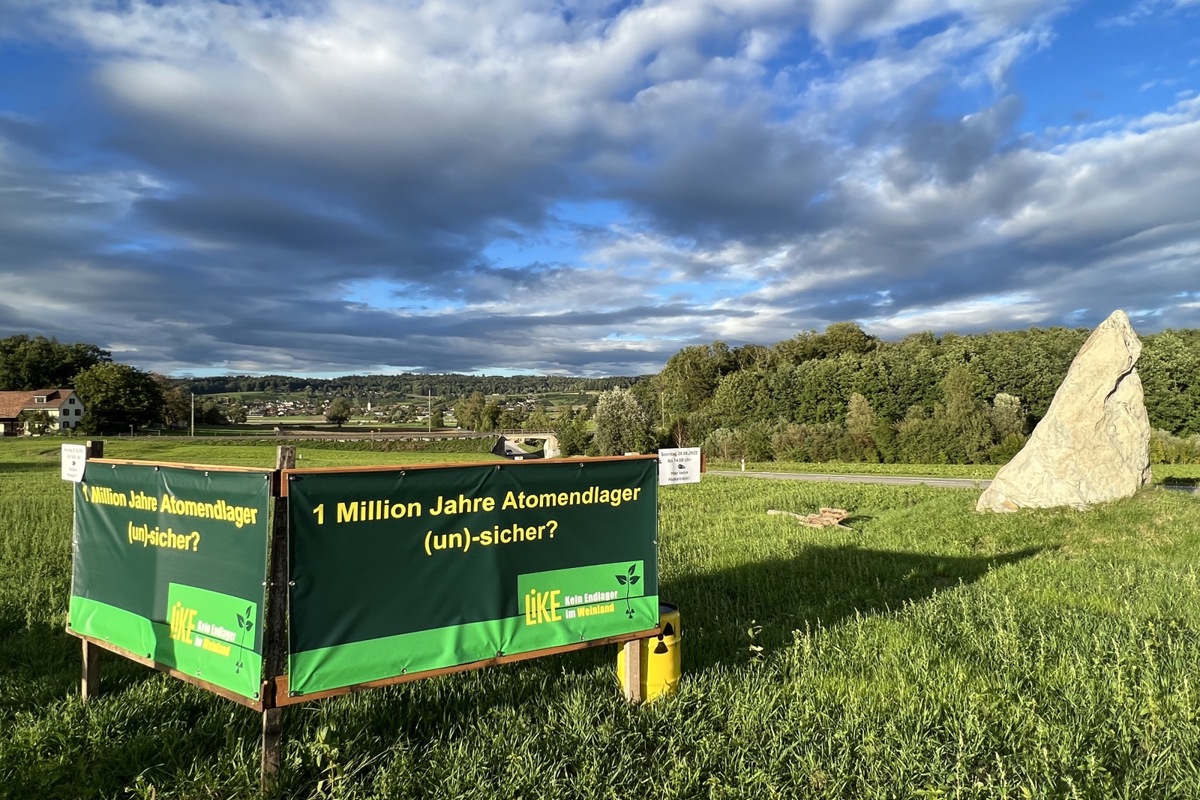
(169, 564)
(401, 571)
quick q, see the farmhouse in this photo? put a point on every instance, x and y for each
(62, 407)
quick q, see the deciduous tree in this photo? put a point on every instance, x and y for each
(338, 411)
(35, 422)
(118, 397)
(571, 431)
(41, 363)
(177, 402)
(622, 426)
(468, 412)
(1170, 373)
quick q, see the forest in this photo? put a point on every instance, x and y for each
(844, 395)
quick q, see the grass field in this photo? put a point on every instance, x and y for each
(930, 652)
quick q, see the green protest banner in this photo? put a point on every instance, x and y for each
(399, 571)
(169, 564)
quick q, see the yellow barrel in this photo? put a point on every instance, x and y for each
(660, 656)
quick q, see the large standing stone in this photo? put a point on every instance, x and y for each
(1093, 445)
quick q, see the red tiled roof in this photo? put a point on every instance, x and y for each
(13, 403)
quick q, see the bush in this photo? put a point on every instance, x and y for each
(1007, 449)
(796, 442)
(752, 443)
(1168, 449)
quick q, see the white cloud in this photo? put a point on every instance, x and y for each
(373, 151)
(837, 20)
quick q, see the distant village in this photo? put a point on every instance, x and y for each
(513, 412)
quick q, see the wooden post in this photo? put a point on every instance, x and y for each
(275, 641)
(634, 671)
(89, 682)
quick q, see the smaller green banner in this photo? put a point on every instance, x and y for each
(208, 635)
(212, 637)
(597, 589)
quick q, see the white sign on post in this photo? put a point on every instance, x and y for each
(74, 459)
(678, 465)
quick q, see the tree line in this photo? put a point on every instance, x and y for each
(841, 394)
(846, 395)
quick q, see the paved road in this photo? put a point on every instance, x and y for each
(893, 480)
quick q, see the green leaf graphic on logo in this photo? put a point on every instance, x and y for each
(627, 580)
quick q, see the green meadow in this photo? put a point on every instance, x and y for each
(930, 652)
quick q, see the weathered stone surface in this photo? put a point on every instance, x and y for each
(1093, 445)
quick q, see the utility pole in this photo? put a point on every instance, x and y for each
(193, 415)
(430, 411)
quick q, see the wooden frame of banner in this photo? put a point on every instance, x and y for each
(274, 695)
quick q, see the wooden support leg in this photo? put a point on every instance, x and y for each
(634, 671)
(275, 643)
(272, 750)
(89, 684)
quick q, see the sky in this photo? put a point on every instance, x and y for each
(333, 187)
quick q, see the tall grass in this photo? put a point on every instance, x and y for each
(929, 652)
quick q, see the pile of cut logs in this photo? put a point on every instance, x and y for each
(827, 518)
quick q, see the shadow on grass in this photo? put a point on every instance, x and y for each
(822, 585)
(41, 664)
(38, 664)
(31, 466)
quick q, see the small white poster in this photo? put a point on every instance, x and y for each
(678, 465)
(74, 459)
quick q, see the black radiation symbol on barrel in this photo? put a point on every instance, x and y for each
(661, 647)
